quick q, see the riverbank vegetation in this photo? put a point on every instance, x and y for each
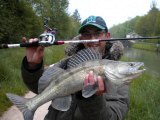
(144, 98)
(10, 77)
(144, 46)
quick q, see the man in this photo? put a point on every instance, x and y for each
(101, 106)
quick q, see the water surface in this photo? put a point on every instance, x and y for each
(151, 59)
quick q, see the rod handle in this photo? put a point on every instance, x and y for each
(33, 44)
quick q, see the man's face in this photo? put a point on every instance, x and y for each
(90, 33)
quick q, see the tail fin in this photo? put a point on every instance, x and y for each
(20, 103)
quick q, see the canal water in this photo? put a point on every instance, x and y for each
(151, 59)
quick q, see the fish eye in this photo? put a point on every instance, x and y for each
(131, 64)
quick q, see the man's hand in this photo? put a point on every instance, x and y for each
(91, 79)
(34, 54)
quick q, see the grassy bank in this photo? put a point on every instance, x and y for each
(144, 98)
(10, 78)
(149, 47)
(10, 74)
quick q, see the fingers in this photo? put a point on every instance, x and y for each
(86, 80)
(33, 40)
(101, 87)
(91, 79)
(24, 39)
(40, 49)
(100, 83)
(34, 54)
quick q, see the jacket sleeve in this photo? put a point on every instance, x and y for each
(30, 77)
(109, 106)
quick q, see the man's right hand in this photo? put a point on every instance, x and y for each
(34, 54)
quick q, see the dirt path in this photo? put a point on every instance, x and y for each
(14, 114)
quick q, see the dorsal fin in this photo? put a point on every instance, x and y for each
(82, 56)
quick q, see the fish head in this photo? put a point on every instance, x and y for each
(118, 71)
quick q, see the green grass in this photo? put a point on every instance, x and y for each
(144, 98)
(149, 47)
(53, 54)
(10, 76)
(10, 71)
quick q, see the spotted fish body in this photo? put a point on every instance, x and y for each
(67, 82)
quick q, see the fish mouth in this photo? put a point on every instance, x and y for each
(138, 68)
(130, 71)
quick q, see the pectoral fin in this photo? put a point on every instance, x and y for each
(62, 104)
(89, 90)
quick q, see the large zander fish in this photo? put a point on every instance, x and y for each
(67, 82)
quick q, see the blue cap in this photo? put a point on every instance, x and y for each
(95, 21)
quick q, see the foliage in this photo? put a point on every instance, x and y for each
(17, 20)
(75, 22)
(26, 19)
(76, 16)
(146, 25)
(56, 12)
(122, 29)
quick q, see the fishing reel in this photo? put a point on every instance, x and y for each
(48, 37)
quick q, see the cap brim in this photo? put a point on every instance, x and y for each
(91, 24)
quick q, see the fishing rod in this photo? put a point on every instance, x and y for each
(48, 39)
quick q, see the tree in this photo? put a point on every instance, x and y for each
(76, 16)
(26, 19)
(22, 21)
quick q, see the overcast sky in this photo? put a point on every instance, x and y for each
(113, 11)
